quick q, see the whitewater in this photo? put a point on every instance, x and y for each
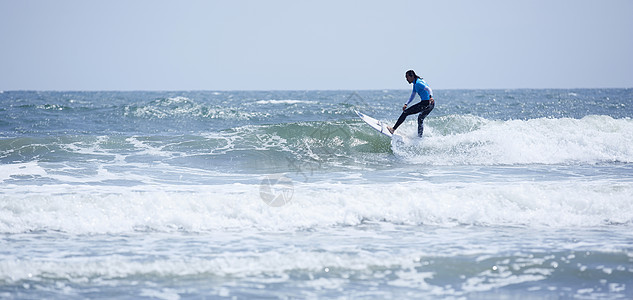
(287, 194)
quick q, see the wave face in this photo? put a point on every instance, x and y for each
(451, 140)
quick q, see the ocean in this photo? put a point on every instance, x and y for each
(289, 195)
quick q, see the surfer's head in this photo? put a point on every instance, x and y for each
(411, 76)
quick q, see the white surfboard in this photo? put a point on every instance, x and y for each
(375, 124)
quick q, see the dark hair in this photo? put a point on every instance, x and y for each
(412, 73)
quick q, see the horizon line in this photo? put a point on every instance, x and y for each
(294, 90)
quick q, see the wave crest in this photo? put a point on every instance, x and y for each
(470, 140)
(239, 206)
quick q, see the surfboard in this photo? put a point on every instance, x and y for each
(378, 125)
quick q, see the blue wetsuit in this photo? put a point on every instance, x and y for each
(421, 88)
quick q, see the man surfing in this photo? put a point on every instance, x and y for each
(425, 106)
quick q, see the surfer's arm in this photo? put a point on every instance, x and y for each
(410, 99)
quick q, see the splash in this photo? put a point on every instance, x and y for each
(470, 140)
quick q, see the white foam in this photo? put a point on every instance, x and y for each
(247, 264)
(105, 209)
(32, 169)
(537, 141)
(93, 148)
(185, 107)
(147, 149)
(285, 101)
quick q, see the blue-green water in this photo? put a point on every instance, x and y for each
(287, 194)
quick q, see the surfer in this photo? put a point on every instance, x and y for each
(425, 106)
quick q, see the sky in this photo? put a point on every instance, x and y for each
(314, 45)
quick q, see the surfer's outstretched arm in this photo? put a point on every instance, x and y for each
(410, 99)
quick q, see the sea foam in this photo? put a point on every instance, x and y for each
(94, 209)
(471, 140)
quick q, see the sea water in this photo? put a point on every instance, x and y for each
(287, 194)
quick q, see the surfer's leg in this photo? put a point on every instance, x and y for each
(403, 116)
(409, 111)
(425, 112)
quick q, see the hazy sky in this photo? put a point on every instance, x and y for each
(301, 45)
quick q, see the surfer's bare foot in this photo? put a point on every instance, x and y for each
(391, 130)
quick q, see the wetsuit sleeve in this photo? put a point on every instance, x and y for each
(411, 97)
(428, 90)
